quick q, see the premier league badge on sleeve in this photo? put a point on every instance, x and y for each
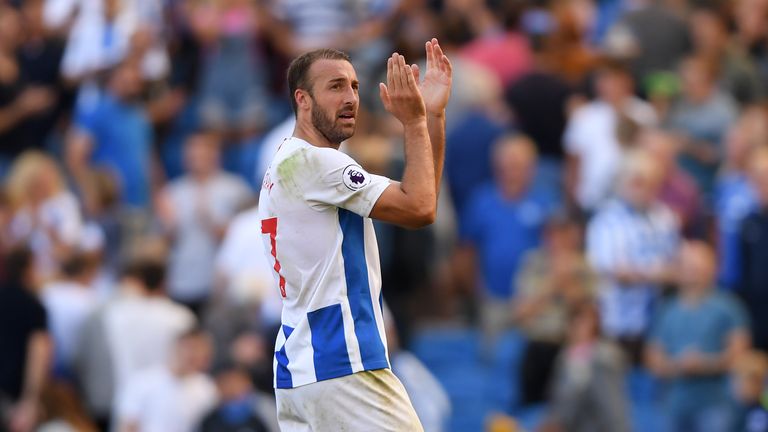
(355, 178)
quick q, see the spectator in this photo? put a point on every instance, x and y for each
(24, 342)
(702, 116)
(552, 281)
(695, 338)
(134, 331)
(678, 190)
(539, 102)
(113, 132)
(69, 302)
(753, 245)
(502, 223)
(28, 77)
(738, 75)
(505, 50)
(46, 215)
(630, 243)
(734, 195)
(588, 389)
(592, 140)
(653, 36)
(173, 396)
(233, 89)
(102, 36)
(195, 211)
(240, 407)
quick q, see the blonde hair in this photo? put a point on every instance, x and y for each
(638, 163)
(28, 166)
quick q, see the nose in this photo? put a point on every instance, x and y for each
(351, 97)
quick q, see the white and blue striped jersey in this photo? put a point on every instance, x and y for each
(314, 208)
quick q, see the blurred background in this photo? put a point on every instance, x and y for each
(599, 262)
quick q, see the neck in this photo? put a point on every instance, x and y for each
(306, 131)
(693, 295)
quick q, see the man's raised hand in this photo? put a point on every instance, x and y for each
(401, 95)
(436, 87)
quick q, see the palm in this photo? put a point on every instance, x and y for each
(436, 87)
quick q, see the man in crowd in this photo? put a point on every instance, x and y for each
(695, 339)
(630, 244)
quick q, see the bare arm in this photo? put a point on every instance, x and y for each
(413, 202)
(436, 90)
(24, 414)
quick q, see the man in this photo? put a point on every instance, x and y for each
(25, 344)
(113, 131)
(752, 285)
(502, 222)
(331, 366)
(593, 141)
(694, 342)
(134, 331)
(195, 211)
(630, 244)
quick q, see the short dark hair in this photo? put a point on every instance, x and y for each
(17, 262)
(298, 70)
(150, 272)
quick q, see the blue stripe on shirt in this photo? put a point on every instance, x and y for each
(328, 343)
(359, 292)
(284, 378)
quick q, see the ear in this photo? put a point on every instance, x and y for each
(303, 99)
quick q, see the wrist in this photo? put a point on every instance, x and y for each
(436, 114)
(416, 121)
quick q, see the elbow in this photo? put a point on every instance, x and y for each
(423, 217)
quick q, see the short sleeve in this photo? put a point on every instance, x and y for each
(337, 180)
(737, 318)
(38, 319)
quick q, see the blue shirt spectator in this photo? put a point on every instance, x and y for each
(693, 341)
(114, 132)
(504, 221)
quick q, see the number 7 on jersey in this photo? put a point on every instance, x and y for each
(269, 226)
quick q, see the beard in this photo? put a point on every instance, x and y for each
(326, 125)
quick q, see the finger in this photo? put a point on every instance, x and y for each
(413, 83)
(439, 56)
(384, 94)
(404, 71)
(430, 54)
(446, 65)
(391, 73)
(416, 72)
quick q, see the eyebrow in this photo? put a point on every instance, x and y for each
(341, 79)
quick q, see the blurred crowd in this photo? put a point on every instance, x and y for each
(606, 196)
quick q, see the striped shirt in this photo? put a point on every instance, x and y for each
(314, 209)
(621, 238)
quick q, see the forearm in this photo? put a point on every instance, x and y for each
(419, 176)
(436, 130)
(38, 364)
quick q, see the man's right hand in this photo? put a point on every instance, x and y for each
(401, 95)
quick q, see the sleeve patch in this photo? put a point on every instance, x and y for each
(355, 178)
